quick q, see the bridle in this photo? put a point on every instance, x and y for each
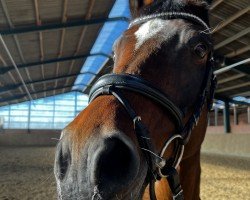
(113, 84)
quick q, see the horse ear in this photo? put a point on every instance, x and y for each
(136, 5)
(208, 2)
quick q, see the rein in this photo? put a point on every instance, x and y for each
(158, 167)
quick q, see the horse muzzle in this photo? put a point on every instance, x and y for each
(109, 169)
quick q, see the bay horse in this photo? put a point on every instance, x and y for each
(128, 143)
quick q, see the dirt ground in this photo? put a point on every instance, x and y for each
(26, 173)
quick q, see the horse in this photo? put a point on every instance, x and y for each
(128, 143)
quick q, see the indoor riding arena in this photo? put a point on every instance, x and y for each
(53, 51)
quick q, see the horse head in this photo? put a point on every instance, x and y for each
(159, 86)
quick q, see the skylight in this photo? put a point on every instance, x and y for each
(109, 33)
(242, 99)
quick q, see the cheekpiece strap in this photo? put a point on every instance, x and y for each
(174, 183)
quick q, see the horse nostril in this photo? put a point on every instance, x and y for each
(62, 163)
(116, 164)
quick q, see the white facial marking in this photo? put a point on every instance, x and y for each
(150, 29)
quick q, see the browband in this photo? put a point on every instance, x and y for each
(138, 85)
(170, 15)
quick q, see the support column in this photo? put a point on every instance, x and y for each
(248, 115)
(215, 116)
(208, 119)
(29, 110)
(226, 117)
(53, 115)
(235, 116)
(9, 117)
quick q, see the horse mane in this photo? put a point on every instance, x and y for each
(196, 7)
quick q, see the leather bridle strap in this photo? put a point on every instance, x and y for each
(206, 94)
(138, 85)
(142, 132)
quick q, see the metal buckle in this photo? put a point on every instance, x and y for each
(179, 195)
(106, 89)
(136, 119)
(177, 159)
(160, 166)
(196, 119)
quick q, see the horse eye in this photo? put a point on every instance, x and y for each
(200, 50)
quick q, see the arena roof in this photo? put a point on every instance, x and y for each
(59, 46)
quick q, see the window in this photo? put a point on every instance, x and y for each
(48, 113)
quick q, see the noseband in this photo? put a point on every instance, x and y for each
(158, 166)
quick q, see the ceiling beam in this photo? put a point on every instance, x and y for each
(233, 87)
(40, 36)
(87, 16)
(222, 98)
(8, 19)
(3, 61)
(15, 67)
(9, 73)
(238, 52)
(233, 38)
(46, 27)
(15, 86)
(15, 101)
(41, 91)
(22, 99)
(215, 4)
(63, 31)
(231, 19)
(244, 69)
(3, 70)
(246, 93)
(231, 78)
(227, 68)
